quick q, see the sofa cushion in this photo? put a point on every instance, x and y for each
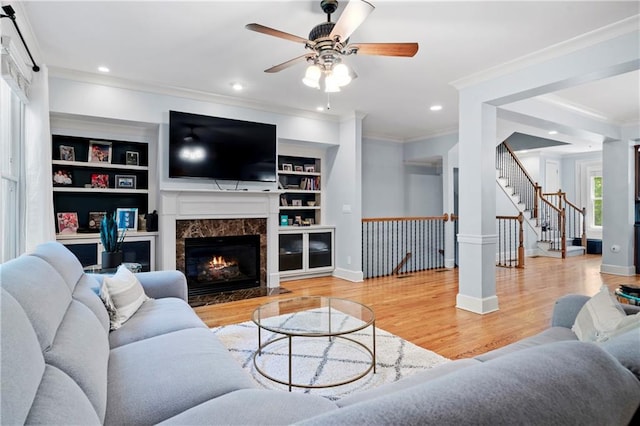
(42, 293)
(86, 292)
(550, 335)
(542, 385)
(626, 349)
(155, 317)
(81, 351)
(153, 379)
(413, 380)
(253, 407)
(62, 259)
(122, 294)
(60, 401)
(20, 348)
(599, 317)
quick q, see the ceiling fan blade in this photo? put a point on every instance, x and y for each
(383, 49)
(276, 33)
(290, 62)
(353, 15)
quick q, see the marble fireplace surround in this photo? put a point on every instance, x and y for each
(185, 214)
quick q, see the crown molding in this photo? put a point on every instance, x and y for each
(608, 32)
(198, 95)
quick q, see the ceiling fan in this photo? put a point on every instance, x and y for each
(329, 43)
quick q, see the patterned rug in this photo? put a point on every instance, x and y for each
(320, 360)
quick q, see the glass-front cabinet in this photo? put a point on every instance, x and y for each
(306, 251)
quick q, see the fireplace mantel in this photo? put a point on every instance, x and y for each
(182, 205)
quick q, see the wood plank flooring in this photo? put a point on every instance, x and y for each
(420, 307)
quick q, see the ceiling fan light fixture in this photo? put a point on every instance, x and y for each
(312, 76)
(341, 74)
(331, 84)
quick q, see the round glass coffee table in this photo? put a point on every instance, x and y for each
(314, 317)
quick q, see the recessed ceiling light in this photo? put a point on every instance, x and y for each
(237, 86)
(553, 132)
(319, 108)
(103, 69)
(435, 107)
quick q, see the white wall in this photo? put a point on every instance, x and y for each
(382, 178)
(423, 191)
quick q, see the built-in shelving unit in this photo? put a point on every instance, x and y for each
(300, 180)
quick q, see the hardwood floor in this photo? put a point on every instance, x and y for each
(420, 307)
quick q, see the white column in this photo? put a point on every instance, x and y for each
(477, 203)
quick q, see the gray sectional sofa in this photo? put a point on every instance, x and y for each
(61, 365)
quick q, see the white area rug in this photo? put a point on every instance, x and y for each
(319, 360)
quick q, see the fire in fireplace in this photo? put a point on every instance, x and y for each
(217, 264)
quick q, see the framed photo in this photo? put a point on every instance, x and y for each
(62, 177)
(67, 222)
(67, 153)
(127, 218)
(297, 203)
(95, 219)
(99, 152)
(298, 169)
(287, 167)
(310, 168)
(132, 158)
(99, 180)
(298, 220)
(126, 181)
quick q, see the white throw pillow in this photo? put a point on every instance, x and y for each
(122, 295)
(599, 318)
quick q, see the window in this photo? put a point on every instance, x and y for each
(596, 201)
(11, 172)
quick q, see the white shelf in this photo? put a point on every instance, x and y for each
(96, 235)
(282, 172)
(301, 191)
(299, 207)
(100, 190)
(97, 165)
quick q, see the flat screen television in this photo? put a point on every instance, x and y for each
(221, 148)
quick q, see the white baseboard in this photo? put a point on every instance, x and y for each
(273, 280)
(476, 305)
(346, 274)
(449, 263)
(626, 271)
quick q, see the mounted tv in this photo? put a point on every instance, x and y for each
(217, 148)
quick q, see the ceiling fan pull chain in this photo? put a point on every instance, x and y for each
(328, 101)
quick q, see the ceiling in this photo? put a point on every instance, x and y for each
(203, 46)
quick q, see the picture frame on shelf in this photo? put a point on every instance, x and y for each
(95, 219)
(287, 167)
(62, 178)
(127, 218)
(67, 222)
(296, 203)
(100, 180)
(67, 153)
(298, 169)
(99, 152)
(132, 158)
(297, 221)
(310, 168)
(126, 181)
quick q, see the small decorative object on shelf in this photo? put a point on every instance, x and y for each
(287, 167)
(67, 222)
(111, 241)
(283, 200)
(298, 168)
(67, 153)
(99, 152)
(126, 181)
(95, 219)
(132, 158)
(99, 180)
(284, 220)
(127, 218)
(296, 203)
(309, 168)
(62, 177)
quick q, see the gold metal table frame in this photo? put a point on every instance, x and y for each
(327, 307)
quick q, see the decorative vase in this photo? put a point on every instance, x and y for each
(111, 259)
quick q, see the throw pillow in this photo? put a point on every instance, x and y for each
(599, 317)
(122, 295)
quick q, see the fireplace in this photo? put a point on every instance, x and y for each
(222, 263)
